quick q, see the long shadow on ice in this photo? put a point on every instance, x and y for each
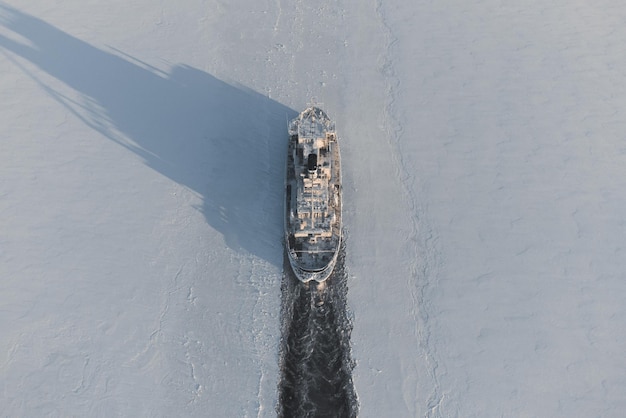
(224, 142)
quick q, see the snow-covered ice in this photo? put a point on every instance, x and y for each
(141, 174)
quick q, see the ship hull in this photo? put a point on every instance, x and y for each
(306, 276)
(313, 196)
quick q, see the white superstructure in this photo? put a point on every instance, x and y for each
(313, 196)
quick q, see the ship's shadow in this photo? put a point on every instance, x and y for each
(225, 142)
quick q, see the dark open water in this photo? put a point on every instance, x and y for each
(315, 359)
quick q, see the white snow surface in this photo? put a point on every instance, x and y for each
(142, 148)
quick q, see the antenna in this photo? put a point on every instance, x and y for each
(314, 102)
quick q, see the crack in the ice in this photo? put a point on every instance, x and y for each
(421, 238)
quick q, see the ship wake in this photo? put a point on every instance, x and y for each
(316, 365)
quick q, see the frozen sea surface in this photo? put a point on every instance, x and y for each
(141, 184)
